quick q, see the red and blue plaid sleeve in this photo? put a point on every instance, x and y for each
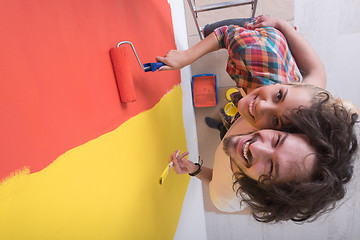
(220, 34)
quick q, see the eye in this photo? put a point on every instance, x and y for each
(271, 167)
(277, 140)
(275, 121)
(278, 96)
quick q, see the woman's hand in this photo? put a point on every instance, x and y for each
(178, 59)
(266, 21)
(181, 164)
(174, 60)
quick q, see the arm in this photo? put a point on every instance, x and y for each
(182, 166)
(178, 59)
(305, 56)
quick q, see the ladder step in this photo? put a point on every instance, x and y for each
(215, 6)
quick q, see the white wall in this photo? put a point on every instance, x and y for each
(192, 220)
(333, 29)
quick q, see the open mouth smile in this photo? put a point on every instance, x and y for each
(244, 151)
(252, 107)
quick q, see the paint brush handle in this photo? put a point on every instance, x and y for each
(242, 92)
(167, 170)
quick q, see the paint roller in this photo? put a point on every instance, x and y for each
(119, 56)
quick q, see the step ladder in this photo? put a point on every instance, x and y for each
(195, 10)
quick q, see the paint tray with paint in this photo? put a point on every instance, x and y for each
(204, 90)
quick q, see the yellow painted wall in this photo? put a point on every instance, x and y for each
(107, 188)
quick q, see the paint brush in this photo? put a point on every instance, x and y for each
(167, 170)
(243, 94)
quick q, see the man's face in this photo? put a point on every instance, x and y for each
(283, 156)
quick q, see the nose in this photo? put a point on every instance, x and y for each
(265, 106)
(260, 152)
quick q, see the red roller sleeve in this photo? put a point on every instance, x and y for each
(119, 57)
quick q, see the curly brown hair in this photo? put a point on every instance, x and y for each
(330, 132)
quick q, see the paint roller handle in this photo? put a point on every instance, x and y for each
(153, 66)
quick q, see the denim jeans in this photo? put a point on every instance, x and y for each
(209, 28)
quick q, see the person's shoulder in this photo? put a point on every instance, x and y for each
(240, 126)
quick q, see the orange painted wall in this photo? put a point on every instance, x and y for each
(57, 86)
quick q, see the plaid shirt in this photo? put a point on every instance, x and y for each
(257, 57)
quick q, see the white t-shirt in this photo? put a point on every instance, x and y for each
(221, 189)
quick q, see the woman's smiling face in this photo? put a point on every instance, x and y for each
(264, 107)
